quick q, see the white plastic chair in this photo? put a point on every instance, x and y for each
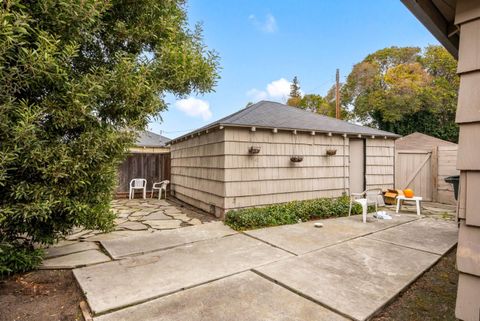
(161, 186)
(365, 198)
(138, 183)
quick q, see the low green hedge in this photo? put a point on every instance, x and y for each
(289, 213)
(18, 257)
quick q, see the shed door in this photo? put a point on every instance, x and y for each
(413, 169)
(357, 166)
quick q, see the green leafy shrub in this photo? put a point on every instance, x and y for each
(290, 213)
(74, 75)
(18, 257)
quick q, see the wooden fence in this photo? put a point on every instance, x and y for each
(153, 167)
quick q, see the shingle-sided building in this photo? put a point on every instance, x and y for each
(272, 153)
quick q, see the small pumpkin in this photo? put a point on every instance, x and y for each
(408, 193)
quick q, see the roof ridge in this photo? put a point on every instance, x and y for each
(247, 109)
(270, 114)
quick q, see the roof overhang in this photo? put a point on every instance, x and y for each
(275, 129)
(438, 17)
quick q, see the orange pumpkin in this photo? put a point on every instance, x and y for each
(408, 193)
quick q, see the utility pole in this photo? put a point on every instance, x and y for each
(337, 95)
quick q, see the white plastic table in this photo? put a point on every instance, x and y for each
(416, 199)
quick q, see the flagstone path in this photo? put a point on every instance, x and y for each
(137, 217)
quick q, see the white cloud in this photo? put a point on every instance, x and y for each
(269, 25)
(257, 94)
(279, 88)
(276, 90)
(195, 107)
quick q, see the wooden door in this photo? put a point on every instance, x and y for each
(413, 169)
(357, 165)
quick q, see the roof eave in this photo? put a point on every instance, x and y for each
(175, 140)
(445, 32)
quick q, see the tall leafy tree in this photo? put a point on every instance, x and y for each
(323, 105)
(404, 90)
(76, 78)
(295, 93)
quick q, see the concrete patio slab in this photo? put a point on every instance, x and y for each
(137, 279)
(69, 249)
(304, 237)
(242, 297)
(356, 277)
(431, 235)
(122, 247)
(74, 260)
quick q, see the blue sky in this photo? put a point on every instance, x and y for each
(263, 44)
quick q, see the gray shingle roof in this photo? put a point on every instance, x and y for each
(149, 139)
(268, 114)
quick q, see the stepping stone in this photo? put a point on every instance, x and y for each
(195, 221)
(242, 297)
(166, 239)
(77, 235)
(119, 221)
(69, 249)
(104, 237)
(133, 280)
(182, 217)
(62, 243)
(163, 224)
(140, 213)
(75, 260)
(304, 237)
(157, 216)
(123, 215)
(357, 277)
(431, 235)
(133, 226)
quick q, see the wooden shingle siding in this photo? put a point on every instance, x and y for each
(217, 169)
(263, 200)
(270, 177)
(468, 151)
(468, 109)
(379, 165)
(469, 51)
(197, 171)
(468, 251)
(278, 173)
(468, 243)
(447, 166)
(468, 297)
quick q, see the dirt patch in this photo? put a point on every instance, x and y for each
(432, 297)
(40, 295)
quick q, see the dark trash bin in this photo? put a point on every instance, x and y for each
(454, 181)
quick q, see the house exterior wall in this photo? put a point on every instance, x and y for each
(197, 171)
(217, 169)
(379, 166)
(468, 111)
(270, 177)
